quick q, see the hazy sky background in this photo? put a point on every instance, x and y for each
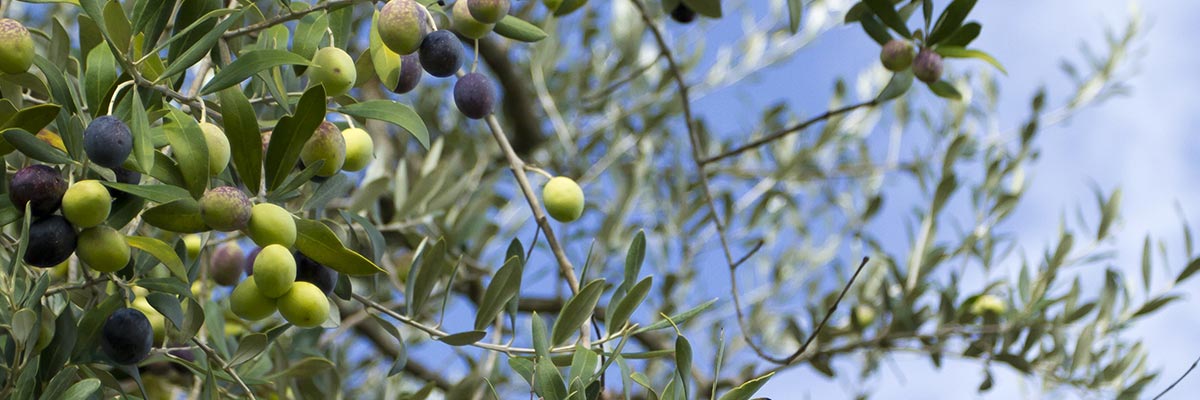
(1144, 143)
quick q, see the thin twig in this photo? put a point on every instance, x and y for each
(1185, 374)
(225, 366)
(290, 16)
(694, 140)
(813, 336)
(787, 131)
(437, 333)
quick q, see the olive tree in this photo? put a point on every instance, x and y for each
(507, 199)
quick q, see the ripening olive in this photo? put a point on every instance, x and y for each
(274, 271)
(563, 199)
(86, 204)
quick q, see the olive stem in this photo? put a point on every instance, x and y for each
(437, 333)
(225, 366)
(116, 92)
(540, 171)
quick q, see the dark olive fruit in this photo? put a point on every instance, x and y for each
(40, 186)
(928, 66)
(126, 176)
(474, 95)
(127, 336)
(225, 209)
(107, 141)
(51, 241)
(16, 47)
(308, 270)
(226, 264)
(410, 73)
(441, 54)
(683, 14)
(897, 55)
(488, 11)
(250, 260)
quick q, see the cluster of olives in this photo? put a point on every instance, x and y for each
(404, 28)
(70, 219)
(898, 55)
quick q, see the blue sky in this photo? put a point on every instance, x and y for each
(1142, 143)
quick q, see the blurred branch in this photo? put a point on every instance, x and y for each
(386, 344)
(518, 100)
(291, 15)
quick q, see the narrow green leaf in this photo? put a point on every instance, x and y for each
(118, 25)
(959, 52)
(427, 269)
(139, 125)
(201, 47)
(35, 148)
(795, 14)
(900, 83)
(463, 338)
(884, 10)
(291, 133)
(950, 20)
(245, 140)
(518, 29)
(154, 192)
(628, 304)
(746, 390)
(635, 257)
(392, 112)
(1188, 271)
(385, 61)
(309, 34)
(503, 287)
(99, 78)
(541, 343)
(161, 251)
(82, 390)
(683, 362)
(583, 364)
(189, 149)
(963, 36)
(319, 243)
(1155, 304)
(549, 382)
(305, 368)
(32, 118)
(168, 306)
(577, 311)
(249, 64)
(568, 6)
(678, 318)
(248, 348)
(945, 90)
(875, 29)
(707, 8)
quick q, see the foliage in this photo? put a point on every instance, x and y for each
(430, 234)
